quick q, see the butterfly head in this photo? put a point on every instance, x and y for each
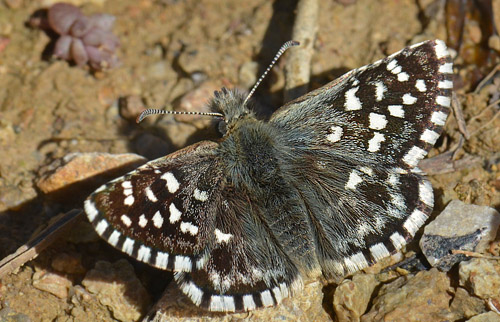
(233, 105)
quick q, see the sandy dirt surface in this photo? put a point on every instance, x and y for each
(50, 108)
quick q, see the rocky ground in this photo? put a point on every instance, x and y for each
(54, 115)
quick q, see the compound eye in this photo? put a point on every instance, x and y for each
(222, 127)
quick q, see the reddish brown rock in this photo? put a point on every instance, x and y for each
(77, 167)
(482, 278)
(117, 287)
(423, 297)
(53, 283)
(351, 297)
(466, 306)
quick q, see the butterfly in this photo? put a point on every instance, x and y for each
(327, 186)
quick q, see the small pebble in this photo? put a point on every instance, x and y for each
(55, 284)
(76, 167)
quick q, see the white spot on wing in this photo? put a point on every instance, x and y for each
(175, 214)
(222, 237)
(441, 50)
(335, 135)
(157, 219)
(222, 303)
(377, 121)
(284, 290)
(90, 210)
(352, 102)
(266, 297)
(182, 264)
(200, 195)
(161, 260)
(391, 65)
(127, 185)
(379, 251)
(408, 99)
(374, 143)
(129, 201)
(143, 221)
(396, 111)
(189, 227)
(249, 303)
(114, 237)
(144, 254)
(393, 179)
(128, 246)
(420, 85)
(354, 180)
(414, 155)
(446, 68)
(445, 84)
(200, 263)
(397, 240)
(151, 196)
(126, 220)
(366, 170)
(429, 136)
(172, 183)
(380, 89)
(426, 193)
(443, 101)
(356, 262)
(101, 227)
(414, 222)
(438, 118)
(192, 291)
(396, 70)
(277, 294)
(403, 77)
(397, 200)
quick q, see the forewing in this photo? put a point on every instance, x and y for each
(354, 147)
(162, 213)
(391, 111)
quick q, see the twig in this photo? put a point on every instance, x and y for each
(475, 117)
(38, 243)
(497, 114)
(444, 163)
(487, 79)
(298, 64)
(459, 115)
(473, 254)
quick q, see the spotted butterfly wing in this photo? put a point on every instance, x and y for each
(359, 140)
(328, 186)
(180, 213)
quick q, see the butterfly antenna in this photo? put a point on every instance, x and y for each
(283, 48)
(153, 111)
